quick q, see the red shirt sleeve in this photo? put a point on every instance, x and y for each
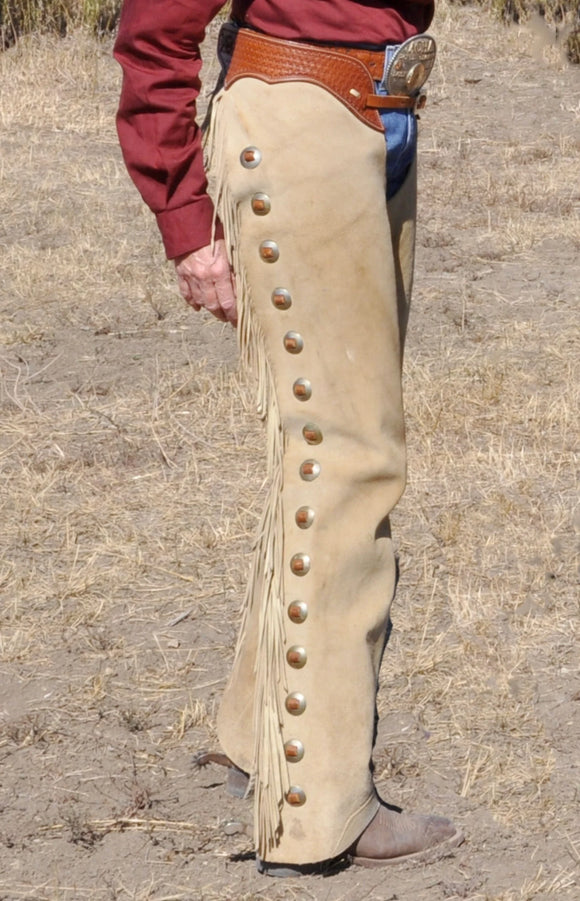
(158, 50)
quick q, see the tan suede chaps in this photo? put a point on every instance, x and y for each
(324, 275)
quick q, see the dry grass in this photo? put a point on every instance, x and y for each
(130, 482)
(557, 21)
(21, 17)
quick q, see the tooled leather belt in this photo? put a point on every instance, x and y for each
(348, 73)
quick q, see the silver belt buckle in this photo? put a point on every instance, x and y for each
(410, 66)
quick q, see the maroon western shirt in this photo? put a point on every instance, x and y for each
(158, 49)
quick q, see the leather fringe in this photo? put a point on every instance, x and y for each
(269, 778)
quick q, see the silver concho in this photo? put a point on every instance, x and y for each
(296, 656)
(281, 298)
(269, 251)
(250, 157)
(293, 342)
(296, 796)
(309, 470)
(300, 564)
(411, 66)
(304, 517)
(261, 204)
(294, 750)
(311, 433)
(302, 389)
(297, 611)
(295, 703)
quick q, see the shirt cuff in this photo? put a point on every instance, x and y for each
(188, 228)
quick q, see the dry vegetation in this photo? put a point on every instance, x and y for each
(563, 16)
(130, 483)
(20, 17)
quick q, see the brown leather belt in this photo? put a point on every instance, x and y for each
(348, 73)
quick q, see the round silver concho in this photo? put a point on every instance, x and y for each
(300, 564)
(293, 343)
(296, 796)
(281, 298)
(296, 656)
(294, 750)
(295, 703)
(309, 470)
(411, 65)
(250, 157)
(261, 204)
(304, 517)
(269, 251)
(297, 611)
(302, 389)
(311, 433)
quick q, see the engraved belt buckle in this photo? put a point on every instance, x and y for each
(410, 66)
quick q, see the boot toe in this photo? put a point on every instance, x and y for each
(396, 837)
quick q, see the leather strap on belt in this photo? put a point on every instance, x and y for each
(396, 101)
(346, 72)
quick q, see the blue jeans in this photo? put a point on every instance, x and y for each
(401, 137)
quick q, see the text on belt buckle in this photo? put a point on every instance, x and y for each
(410, 66)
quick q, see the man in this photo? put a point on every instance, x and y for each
(323, 272)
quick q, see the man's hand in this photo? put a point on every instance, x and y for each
(205, 280)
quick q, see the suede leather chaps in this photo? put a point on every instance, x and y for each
(324, 275)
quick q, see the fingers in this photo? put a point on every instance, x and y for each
(226, 297)
(186, 293)
(205, 280)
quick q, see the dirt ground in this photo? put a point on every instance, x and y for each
(131, 472)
